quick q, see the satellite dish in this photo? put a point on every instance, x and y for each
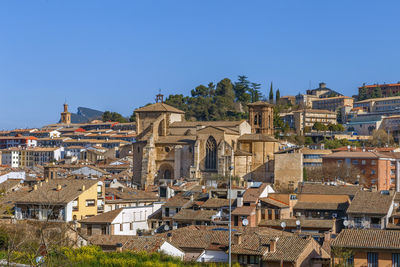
(245, 222)
(166, 227)
(283, 224)
(346, 223)
(298, 222)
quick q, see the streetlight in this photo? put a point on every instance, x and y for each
(230, 214)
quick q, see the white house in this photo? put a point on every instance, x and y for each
(123, 221)
(10, 157)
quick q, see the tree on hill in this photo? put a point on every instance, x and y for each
(113, 116)
(255, 92)
(381, 138)
(271, 94)
(241, 88)
(277, 96)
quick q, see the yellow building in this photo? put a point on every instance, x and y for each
(59, 200)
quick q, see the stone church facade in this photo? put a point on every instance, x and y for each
(169, 148)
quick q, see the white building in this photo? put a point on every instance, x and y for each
(123, 221)
(10, 157)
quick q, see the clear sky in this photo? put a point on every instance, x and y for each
(115, 55)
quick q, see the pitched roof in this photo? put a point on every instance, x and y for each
(370, 203)
(159, 107)
(197, 215)
(184, 124)
(324, 189)
(305, 223)
(368, 238)
(216, 203)
(288, 247)
(106, 217)
(47, 192)
(244, 210)
(320, 206)
(274, 202)
(129, 194)
(356, 154)
(252, 194)
(260, 103)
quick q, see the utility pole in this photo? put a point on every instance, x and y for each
(230, 214)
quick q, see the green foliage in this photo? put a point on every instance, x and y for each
(113, 116)
(218, 102)
(319, 126)
(277, 96)
(336, 143)
(94, 256)
(362, 94)
(271, 94)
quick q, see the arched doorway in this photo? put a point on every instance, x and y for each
(166, 172)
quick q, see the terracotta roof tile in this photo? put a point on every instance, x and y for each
(368, 238)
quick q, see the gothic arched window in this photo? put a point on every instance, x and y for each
(211, 154)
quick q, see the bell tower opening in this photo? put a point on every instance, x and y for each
(261, 117)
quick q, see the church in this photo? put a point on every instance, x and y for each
(169, 148)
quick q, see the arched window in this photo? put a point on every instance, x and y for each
(211, 154)
(167, 174)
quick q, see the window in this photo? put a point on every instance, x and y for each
(269, 214)
(211, 154)
(90, 203)
(355, 162)
(363, 162)
(373, 172)
(89, 229)
(372, 258)
(104, 229)
(131, 226)
(396, 260)
(373, 162)
(166, 212)
(277, 214)
(121, 227)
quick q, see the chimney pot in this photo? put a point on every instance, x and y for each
(83, 187)
(35, 187)
(237, 238)
(272, 244)
(58, 187)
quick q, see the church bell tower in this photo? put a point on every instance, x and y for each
(65, 115)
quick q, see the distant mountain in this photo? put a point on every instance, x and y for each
(86, 115)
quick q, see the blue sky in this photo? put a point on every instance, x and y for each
(115, 55)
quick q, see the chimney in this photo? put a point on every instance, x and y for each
(83, 187)
(258, 212)
(322, 85)
(58, 187)
(191, 197)
(327, 236)
(41, 183)
(272, 244)
(46, 180)
(169, 237)
(239, 201)
(118, 247)
(237, 238)
(35, 187)
(203, 189)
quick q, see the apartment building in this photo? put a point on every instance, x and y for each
(332, 103)
(17, 141)
(313, 157)
(368, 247)
(308, 117)
(39, 155)
(10, 157)
(377, 170)
(380, 105)
(59, 200)
(387, 89)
